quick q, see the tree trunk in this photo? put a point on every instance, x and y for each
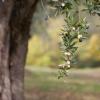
(17, 63)
(5, 86)
(15, 21)
(5, 93)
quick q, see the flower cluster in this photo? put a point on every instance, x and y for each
(67, 59)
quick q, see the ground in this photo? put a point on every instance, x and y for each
(81, 84)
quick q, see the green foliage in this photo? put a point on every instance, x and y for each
(93, 7)
(76, 27)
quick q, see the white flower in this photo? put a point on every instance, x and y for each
(67, 53)
(62, 65)
(73, 28)
(68, 66)
(68, 62)
(79, 36)
(63, 4)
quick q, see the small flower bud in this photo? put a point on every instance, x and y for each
(62, 65)
(67, 53)
(79, 36)
(63, 4)
(73, 28)
(68, 62)
(68, 66)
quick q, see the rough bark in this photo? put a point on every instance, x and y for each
(5, 11)
(15, 21)
(5, 93)
(17, 63)
(20, 25)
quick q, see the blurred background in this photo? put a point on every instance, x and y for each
(44, 56)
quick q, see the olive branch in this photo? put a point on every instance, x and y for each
(75, 29)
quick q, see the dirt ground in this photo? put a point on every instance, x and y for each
(36, 93)
(60, 95)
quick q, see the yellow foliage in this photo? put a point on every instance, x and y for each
(46, 53)
(42, 54)
(92, 49)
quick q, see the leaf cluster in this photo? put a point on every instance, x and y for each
(75, 28)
